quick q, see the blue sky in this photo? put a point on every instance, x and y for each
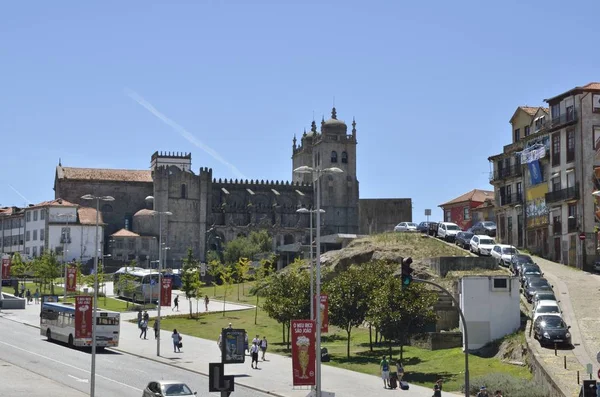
(432, 85)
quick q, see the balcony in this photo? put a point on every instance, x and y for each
(557, 228)
(506, 172)
(511, 199)
(570, 193)
(563, 120)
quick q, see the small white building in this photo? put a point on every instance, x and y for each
(491, 307)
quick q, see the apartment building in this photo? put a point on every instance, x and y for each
(545, 180)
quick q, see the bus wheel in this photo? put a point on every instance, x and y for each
(70, 343)
(49, 335)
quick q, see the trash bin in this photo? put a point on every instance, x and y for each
(325, 355)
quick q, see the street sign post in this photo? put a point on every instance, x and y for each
(218, 382)
(582, 236)
(428, 214)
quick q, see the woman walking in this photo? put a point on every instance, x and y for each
(206, 301)
(176, 303)
(143, 328)
(263, 347)
(176, 336)
(254, 353)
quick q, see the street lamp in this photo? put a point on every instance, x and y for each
(67, 233)
(93, 370)
(312, 296)
(316, 174)
(160, 249)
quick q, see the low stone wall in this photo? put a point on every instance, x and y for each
(12, 302)
(438, 340)
(444, 264)
(540, 375)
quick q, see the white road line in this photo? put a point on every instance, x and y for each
(69, 365)
(78, 379)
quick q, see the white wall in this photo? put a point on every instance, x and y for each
(82, 242)
(34, 228)
(490, 314)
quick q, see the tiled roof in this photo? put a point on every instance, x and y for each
(124, 233)
(593, 86)
(87, 216)
(53, 203)
(103, 174)
(486, 204)
(529, 109)
(476, 195)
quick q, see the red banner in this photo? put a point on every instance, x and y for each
(71, 279)
(165, 292)
(6, 268)
(83, 316)
(324, 311)
(303, 352)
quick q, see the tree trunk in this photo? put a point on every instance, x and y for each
(223, 304)
(191, 310)
(283, 332)
(370, 337)
(390, 347)
(197, 315)
(376, 335)
(238, 291)
(288, 335)
(348, 330)
(256, 311)
(215, 289)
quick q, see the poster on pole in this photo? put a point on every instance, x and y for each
(303, 352)
(5, 268)
(324, 311)
(71, 279)
(165, 292)
(83, 316)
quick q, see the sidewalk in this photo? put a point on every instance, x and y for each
(274, 376)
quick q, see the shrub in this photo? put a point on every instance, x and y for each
(510, 386)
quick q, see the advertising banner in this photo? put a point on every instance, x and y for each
(5, 268)
(71, 279)
(303, 352)
(324, 310)
(83, 316)
(233, 351)
(165, 292)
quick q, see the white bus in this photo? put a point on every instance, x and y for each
(139, 285)
(57, 322)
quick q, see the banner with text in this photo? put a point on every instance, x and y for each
(165, 292)
(5, 268)
(303, 352)
(324, 310)
(71, 279)
(83, 316)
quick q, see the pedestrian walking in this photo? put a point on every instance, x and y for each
(176, 303)
(36, 296)
(140, 317)
(263, 347)
(206, 301)
(22, 290)
(155, 328)
(384, 366)
(437, 389)
(482, 392)
(254, 354)
(146, 316)
(143, 328)
(28, 296)
(177, 338)
(399, 370)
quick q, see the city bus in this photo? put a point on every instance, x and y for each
(57, 322)
(139, 285)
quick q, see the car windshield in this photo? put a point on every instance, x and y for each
(411, 224)
(547, 309)
(467, 235)
(523, 259)
(532, 272)
(487, 224)
(486, 241)
(540, 283)
(552, 322)
(177, 389)
(452, 227)
(545, 297)
(509, 250)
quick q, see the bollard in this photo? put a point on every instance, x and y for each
(555, 352)
(577, 377)
(565, 360)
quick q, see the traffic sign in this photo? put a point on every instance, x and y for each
(582, 236)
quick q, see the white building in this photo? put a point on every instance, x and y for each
(491, 307)
(65, 228)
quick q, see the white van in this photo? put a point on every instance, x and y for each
(448, 231)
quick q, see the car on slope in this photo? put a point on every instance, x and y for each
(433, 229)
(423, 227)
(536, 285)
(463, 239)
(503, 254)
(529, 272)
(448, 230)
(546, 308)
(406, 227)
(544, 296)
(482, 244)
(551, 330)
(519, 260)
(167, 388)
(486, 227)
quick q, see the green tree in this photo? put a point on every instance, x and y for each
(261, 275)
(190, 277)
(47, 268)
(375, 273)
(213, 268)
(255, 243)
(242, 273)
(226, 274)
(19, 267)
(348, 295)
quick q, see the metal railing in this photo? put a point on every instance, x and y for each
(564, 118)
(511, 199)
(506, 172)
(569, 193)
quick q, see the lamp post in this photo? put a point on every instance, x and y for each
(66, 216)
(312, 296)
(316, 174)
(93, 369)
(160, 249)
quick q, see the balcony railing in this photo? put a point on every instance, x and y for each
(556, 228)
(570, 193)
(506, 172)
(572, 225)
(511, 199)
(564, 119)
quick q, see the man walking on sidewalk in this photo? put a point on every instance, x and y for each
(384, 366)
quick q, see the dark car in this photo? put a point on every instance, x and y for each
(423, 227)
(536, 285)
(463, 239)
(519, 260)
(433, 229)
(485, 227)
(544, 296)
(529, 270)
(550, 330)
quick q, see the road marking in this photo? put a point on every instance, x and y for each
(78, 379)
(69, 365)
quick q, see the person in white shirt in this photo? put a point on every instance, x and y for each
(254, 353)
(263, 347)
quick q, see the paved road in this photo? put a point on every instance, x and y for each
(68, 370)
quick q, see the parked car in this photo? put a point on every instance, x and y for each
(503, 254)
(423, 227)
(481, 244)
(406, 227)
(463, 239)
(529, 271)
(433, 229)
(164, 388)
(448, 231)
(546, 308)
(551, 330)
(536, 285)
(486, 227)
(544, 296)
(519, 260)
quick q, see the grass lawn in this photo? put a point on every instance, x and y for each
(423, 367)
(216, 293)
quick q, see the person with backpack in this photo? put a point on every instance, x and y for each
(143, 328)
(384, 366)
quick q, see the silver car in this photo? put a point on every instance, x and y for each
(166, 388)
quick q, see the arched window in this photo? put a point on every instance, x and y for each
(334, 156)
(106, 208)
(344, 157)
(183, 191)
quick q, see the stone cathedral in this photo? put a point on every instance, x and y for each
(207, 211)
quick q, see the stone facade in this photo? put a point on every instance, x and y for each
(381, 215)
